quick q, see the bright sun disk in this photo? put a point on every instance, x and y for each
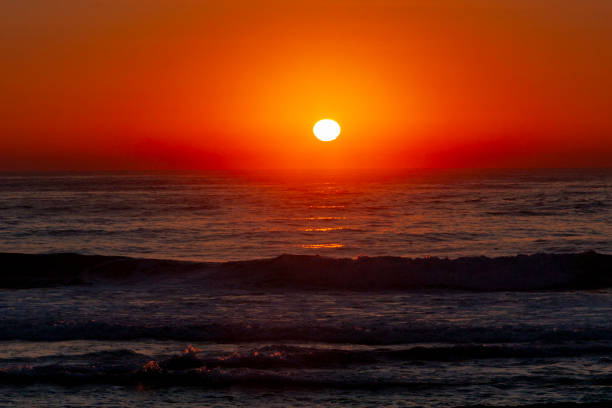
(326, 130)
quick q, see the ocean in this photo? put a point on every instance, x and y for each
(428, 288)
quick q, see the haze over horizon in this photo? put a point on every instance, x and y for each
(157, 85)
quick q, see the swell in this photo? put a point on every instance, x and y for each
(54, 330)
(278, 366)
(152, 375)
(304, 357)
(589, 270)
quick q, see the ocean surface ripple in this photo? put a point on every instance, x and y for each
(216, 216)
(426, 289)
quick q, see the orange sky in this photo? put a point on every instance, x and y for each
(170, 84)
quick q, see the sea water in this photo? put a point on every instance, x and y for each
(240, 216)
(302, 329)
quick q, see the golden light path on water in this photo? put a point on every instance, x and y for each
(317, 246)
(320, 218)
(323, 229)
(327, 209)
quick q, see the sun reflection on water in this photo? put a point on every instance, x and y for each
(320, 246)
(319, 218)
(323, 229)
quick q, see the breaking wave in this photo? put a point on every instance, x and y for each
(276, 365)
(589, 270)
(375, 334)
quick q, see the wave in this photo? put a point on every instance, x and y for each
(376, 334)
(594, 404)
(589, 270)
(153, 375)
(279, 365)
(294, 356)
(288, 356)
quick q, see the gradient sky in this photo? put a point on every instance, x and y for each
(180, 84)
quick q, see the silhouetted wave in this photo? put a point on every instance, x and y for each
(278, 365)
(152, 374)
(293, 356)
(587, 270)
(55, 330)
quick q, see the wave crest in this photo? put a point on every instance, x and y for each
(589, 270)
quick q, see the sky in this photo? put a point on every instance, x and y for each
(235, 84)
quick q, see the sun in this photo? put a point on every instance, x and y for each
(326, 130)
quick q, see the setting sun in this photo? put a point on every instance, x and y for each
(169, 227)
(326, 130)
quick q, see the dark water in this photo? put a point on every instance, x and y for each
(220, 216)
(306, 331)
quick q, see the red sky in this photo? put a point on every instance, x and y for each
(177, 84)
